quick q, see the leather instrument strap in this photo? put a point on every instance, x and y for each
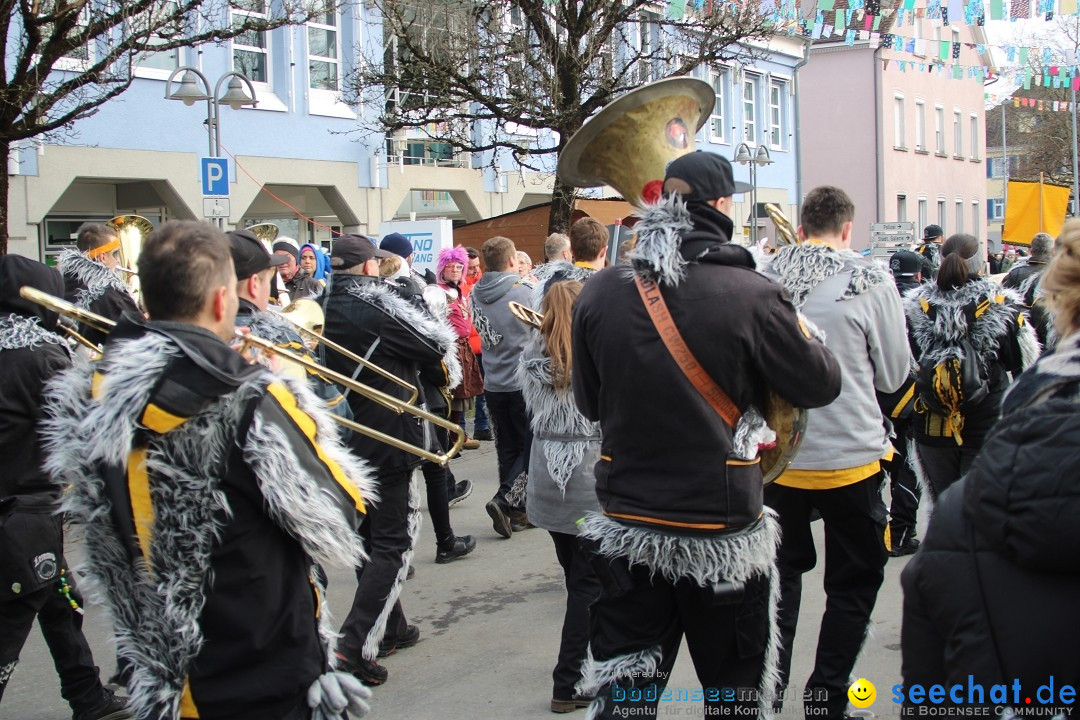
(673, 341)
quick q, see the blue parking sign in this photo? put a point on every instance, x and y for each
(215, 176)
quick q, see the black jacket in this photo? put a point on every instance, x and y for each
(94, 287)
(1024, 279)
(992, 591)
(362, 312)
(666, 454)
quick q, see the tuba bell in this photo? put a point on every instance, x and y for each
(267, 232)
(628, 145)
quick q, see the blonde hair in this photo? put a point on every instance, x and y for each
(389, 266)
(558, 309)
(1061, 280)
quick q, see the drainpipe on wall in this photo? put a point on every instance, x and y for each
(879, 156)
(798, 130)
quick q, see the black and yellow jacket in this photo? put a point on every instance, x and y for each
(94, 287)
(207, 488)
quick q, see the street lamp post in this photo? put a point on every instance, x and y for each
(190, 93)
(759, 158)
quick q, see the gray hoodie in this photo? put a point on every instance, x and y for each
(502, 335)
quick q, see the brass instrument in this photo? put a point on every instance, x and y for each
(81, 339)
(105, 325)
(132, 231)
(267, 232)
(627, 145)
(784, 229)
(527, 315)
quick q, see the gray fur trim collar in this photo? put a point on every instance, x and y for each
(659, 236)
(94, 276)
(801, 268)
(156, 605)
(567, 269)
(19, 331)
(385, 298)
(938, 338)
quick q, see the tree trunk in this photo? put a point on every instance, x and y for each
(562, 207)
(5, 148)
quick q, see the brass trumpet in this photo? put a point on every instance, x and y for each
(105, 325)
(527, 315)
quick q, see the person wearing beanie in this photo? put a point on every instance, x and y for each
(298, 283)
(1025, 278)
(403, 248)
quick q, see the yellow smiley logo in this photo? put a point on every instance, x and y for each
(862, 693)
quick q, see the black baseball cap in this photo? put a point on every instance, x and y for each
(351, 250)
(702, 176)
(249, 255)
(931, 232)
(905, 264)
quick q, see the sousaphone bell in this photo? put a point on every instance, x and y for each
(628, 146)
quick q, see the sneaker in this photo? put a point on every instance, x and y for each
(576, 702)
(462, 490)
(111, 707)
(391, 645)
(499, 519)
(470, 444)
(462, 546)
(368, 672)
(519, 520)
(484, 434)
(908, 547)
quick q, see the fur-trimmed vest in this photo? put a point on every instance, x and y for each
(92, 286)
(1005, 341)
(207, 489)
(557, 271)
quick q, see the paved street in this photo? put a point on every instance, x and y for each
(490, 630)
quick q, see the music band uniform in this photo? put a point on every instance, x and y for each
(92, 286)
(684, 544)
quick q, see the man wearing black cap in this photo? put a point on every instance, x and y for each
(684, 544)
(930, 250)
(372, 319)
(255, 269)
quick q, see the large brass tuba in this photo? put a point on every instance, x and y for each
(627, 145)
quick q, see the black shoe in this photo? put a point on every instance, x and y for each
(111, 707)
(368, 672)
(462, 546)
(519, 520)
(462, 490)
(576, 702)
(499, 519)
(484, 434)
(389, 645)
(908, 547)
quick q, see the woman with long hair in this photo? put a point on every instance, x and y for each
(960, 317)
(561, 486)
(991, 593)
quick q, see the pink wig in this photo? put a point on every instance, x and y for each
(451, 255)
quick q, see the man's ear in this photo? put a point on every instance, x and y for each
(846, 230)
(802, 234)
(220, 303)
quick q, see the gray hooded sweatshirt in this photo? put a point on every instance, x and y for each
(503, 335)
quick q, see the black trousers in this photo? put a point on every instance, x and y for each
(942, 466)
(726, 633)
(582, 590)
(903, 486)
(855, 557)
(385, 532)
(440, 484)
(513, 438)
(61, 627)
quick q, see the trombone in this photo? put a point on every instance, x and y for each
(389, 401)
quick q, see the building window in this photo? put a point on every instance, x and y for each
(777, 131)
(79, 57)
(995, 167)
(923, 217)
(901, 208)
(167, 60)
(959, 216)
(251, 49)
(974, 132)
(749, 108)
(323, 63)
(995, 209)
(975, 217)
(646, 46)
(898, 122)
(920, 124)
(958, 135)
(717, 124)
(941, 217)
(939, 129)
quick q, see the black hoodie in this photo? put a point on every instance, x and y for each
(30, 353)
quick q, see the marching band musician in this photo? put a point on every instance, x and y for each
(34, 580)
(372, 319)
(208, 489)
(91, 280)
(683, 544)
